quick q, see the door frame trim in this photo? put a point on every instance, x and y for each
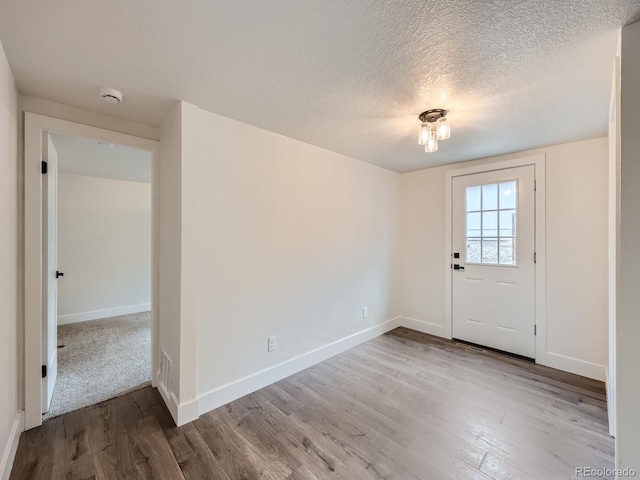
(539, 164)
(34, 126)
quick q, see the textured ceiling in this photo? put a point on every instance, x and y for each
(84, 156)
(347, 75)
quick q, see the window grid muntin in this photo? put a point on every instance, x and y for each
(511, 239)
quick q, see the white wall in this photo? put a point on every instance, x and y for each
(576, 229)
(628, 358)
(9, 418)
(104, 247)
(273, 236)
(279, 238)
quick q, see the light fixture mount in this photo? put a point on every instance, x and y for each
(432, 115)
(434, 126)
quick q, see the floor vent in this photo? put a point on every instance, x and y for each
(165, 370)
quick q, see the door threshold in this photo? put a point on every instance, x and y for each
(483, 349)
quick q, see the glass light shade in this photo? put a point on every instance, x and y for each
(444, 129)
(423, 134)
(432, 141)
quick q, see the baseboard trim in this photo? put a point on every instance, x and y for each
(105, 313)
(187, 412)
(170, 401)
(423, 326)
(573, 365)
(181, 413)
(550, 359)
(9, 454)
(231, 391)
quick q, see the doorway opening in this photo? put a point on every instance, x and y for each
(97, 265)
(92, 192)
(495, 256)
(493, 242)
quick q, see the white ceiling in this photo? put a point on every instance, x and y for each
(85, 156)
(347, 75)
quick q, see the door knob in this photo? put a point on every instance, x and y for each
(59, 274)
(457, 267)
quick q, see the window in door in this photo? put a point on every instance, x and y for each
(491, 223)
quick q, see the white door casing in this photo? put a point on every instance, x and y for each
(539, 163)
(34, 127)
(50, 268)
(493, 233)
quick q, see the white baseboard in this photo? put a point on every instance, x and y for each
(106, 313)
(169, 400)
(573, 365)
(187, 412)
(9, 454)
(226, 393)
(423, 326)
(550, 359)
(181, 413)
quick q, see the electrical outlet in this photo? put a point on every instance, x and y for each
(365, 312)
(272, 345)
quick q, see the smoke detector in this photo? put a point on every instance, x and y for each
(110, 95)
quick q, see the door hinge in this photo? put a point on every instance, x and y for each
(44, 371)
(535, 185)
(43, 167)
(535, 257)
(535, 330)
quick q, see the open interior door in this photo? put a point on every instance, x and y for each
(50, 271)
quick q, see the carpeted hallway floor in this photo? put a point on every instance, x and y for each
(101, 359)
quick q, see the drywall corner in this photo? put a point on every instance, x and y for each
(169, 248)
(189, 257)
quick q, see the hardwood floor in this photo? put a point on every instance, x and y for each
(402, 406)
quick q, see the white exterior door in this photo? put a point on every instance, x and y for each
(49, 273)
(493, 245)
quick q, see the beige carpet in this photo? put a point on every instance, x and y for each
(101, 359)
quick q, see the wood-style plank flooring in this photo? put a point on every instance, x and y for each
(402, 406)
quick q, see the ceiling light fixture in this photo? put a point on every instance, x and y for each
(433, 127)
